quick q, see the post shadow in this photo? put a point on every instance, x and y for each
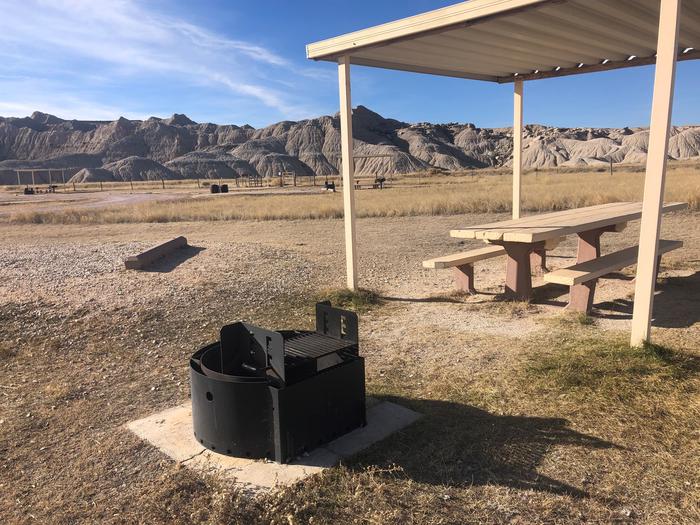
(676, 304)
(430, 299)
(461, 445)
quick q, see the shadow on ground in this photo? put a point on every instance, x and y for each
(676, 305)
(173, 260)
(460, 445)
(430, 299)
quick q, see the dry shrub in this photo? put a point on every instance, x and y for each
(360, 300)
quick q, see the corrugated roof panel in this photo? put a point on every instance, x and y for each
(495, 39)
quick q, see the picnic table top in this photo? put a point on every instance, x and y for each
(537, 228)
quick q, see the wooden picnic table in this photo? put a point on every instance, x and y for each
(524, 239)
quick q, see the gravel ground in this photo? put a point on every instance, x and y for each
(88, 346)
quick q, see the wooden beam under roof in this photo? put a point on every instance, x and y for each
(360, 61)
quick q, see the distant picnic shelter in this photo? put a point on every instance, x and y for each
(513, 41)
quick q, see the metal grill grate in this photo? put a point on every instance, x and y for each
(313, 345)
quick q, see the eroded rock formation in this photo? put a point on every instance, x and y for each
(177, 147)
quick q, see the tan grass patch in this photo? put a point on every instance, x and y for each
(441, 195)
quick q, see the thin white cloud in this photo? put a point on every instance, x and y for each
(200, 37)
(66, 108)
(130, 39)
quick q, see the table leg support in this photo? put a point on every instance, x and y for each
(464, 278)
(518, 277)
(588, 246)
(589, 243)
(581, 297)
(538, 261)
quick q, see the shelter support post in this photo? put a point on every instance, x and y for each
(348, 170)
(517, 145)
(654, 181)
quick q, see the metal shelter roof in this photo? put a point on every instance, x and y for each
(503, 40)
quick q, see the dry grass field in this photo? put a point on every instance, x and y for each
(407, 196)
(531, 415)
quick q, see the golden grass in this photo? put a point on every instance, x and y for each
(437, 195)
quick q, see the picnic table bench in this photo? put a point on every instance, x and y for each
(582, 277)
(462, 263)
(526, 239)
(373, 183)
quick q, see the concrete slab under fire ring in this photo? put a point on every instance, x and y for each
(170, 431)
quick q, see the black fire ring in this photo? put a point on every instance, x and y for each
(263, 394)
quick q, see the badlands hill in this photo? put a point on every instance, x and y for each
(177, 147)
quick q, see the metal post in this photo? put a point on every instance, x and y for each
(347, 170)
(654, 181)
(517, 145)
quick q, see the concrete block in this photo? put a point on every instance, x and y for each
(143, 259)
(171, 432)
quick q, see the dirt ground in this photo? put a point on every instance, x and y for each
(521, 425)
(14, 201)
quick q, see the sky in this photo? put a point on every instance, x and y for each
(243, 62)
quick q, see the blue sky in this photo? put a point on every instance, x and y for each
(244, 62)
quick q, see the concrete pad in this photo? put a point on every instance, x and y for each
(171, 432)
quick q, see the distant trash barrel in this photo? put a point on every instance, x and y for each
(224, 188)
(214, 188)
